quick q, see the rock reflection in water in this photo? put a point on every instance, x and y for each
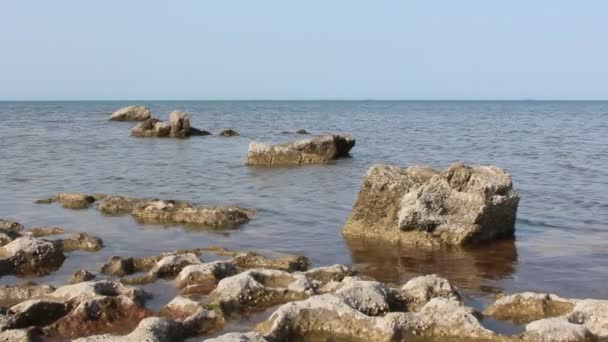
(478, 269)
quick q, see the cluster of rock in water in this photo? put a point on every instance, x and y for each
(319, 304)
(416, 206)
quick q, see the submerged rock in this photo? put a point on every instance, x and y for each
(80, 276)
(131, 113)
(419, 205)
(163, 212)
(302, 131)
(44, 231)
(318, 150)
(10, 226)
(528, 306)
(289, 263)
(229, 133)
(74, 200)
(80, 241)
(118, 205)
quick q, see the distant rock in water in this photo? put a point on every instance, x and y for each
(229, 133)
(302, 131)
(318, 150)
(131, 113)
(177, 127)
(418, 205)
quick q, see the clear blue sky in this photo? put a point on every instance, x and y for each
(314, 49)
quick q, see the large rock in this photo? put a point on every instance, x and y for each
(29, 255)
(180, 124)
(420, 290)
(289, 263)
(593, 314)
(151, 128)
(318, 150)
(556, 330)
(14, 294)
(131, 113)
(419, 205)
(166, 212)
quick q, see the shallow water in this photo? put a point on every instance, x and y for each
(556, 152)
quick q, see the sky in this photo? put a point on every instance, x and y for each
(314, 49)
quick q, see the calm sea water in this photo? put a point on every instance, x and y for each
(557, 153)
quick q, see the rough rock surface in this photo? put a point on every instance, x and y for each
(556, 329)
(131, 113)
(44, 231)
(14, 294)
(80, 276)
(369, 297)
(163, 212)
(80, 241)
(528, 306)
(74, 200)
(420, 290)
(203, 278)
(29, 255)
(419, 205)
(239, 337)
(318, 150)
(167, 267)
(10, 226)
(593, 314)
(289, 263)
(178, 126)
(151, 128)
(118, 205)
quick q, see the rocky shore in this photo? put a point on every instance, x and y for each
(322, 303)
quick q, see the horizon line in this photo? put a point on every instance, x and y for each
(310, 100)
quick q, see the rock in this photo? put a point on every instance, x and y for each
(164, 212)
(258, 289)
(420, 290)
(131, 113)
(326, 274)
(44, 231)
(10, 226)
(203, 278)
(302, 131)
(14, 294)
(369, 297)
(81, 241)
(167, 267)
(442, 317)
(80, 276)
(98, 307)
(75, 200)
(36, 312)
(151, 128)
(180, 124)
(198, 132)
(289, 263)
(151, 329)
(229, 133)
(239, 337)
(419, 205)
(318, 150)
(325, 318)
(28, 255)
(556, 330)
(118, 205)
(21, 335)
(45, 200)
(180, 308)
(118, 266)
(528, 306)
(593, 314)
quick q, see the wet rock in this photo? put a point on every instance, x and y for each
(420, 290)
(556, 330)
(80, 276)
(198, 132)
(318, 150)
(369, 297)
(325, 317)
(28, 255)
(593, 314)
(45, 200)
(131, 113)
(442, 317)
(528, 306)
(419, 205)
(118, 205)
(289, 263)
(36, 312)
(180, 308)
(98, 307)
(75, 200)
(14, 294)
(302, 131)
(151, 329)
(81, 241)
(326, 274)
(10, 226)
(167, 267)
(260, 288)
(151, 128)
(229, 133)
(163, 212)
(239, 337)
(44, 231)
(203, 278)
(118, 266)
(180, 124)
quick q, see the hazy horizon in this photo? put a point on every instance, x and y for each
(471, 50)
